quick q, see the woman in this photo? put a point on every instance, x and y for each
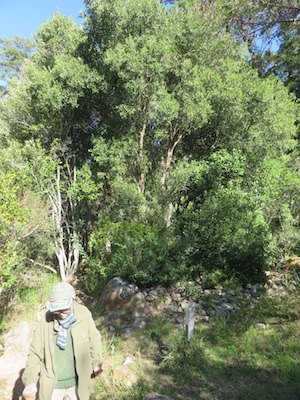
(65, 353)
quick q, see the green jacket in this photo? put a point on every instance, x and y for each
(86, 338)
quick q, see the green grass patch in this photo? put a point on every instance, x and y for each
(252, 355)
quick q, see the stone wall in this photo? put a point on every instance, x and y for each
(171, 303)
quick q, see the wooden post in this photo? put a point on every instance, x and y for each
(189, 320)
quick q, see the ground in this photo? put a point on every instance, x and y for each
(12, 361)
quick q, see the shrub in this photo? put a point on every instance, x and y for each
(134, 251)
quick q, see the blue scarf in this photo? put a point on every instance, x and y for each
(64, 325)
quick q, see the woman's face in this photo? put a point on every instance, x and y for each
(62, 314)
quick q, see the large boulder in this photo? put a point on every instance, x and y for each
(118, 294)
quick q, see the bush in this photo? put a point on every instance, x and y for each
(134, 251)
(222, 227)
(225, 234)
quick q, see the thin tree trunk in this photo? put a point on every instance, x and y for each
(67, 251)
(167, 163)
(142, 179)
(166, 176)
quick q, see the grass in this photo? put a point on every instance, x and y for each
(253, 354)
(27, 301)
(229, 358)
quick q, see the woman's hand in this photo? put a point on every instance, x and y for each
(30, 391)
(97, 371)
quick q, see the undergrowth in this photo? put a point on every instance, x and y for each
(254, 354)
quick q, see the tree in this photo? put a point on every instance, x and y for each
(47, 99)
(155, 76)
(25, 223)
(168, 80)
(126, 113)
(270, 30)
(178, 90)
(13, 54)
(45, 104)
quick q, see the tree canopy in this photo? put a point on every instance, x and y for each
(155, 139)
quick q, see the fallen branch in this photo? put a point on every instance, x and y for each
(42, 265)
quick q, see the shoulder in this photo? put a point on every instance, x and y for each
(81, 311)
(43, 323)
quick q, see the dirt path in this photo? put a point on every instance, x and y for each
(12, 361)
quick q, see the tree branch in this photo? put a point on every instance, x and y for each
(42, 265)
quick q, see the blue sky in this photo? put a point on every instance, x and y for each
(24, 17)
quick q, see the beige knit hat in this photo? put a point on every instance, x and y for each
(61, 296)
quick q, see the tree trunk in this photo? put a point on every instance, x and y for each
(167, 162)
(166, 176)
(67, 250)
(142, 179)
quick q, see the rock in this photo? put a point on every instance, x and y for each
(168, 301)
(184, 304)
(176, 296)
(123, 374)
(139, 297)
(205, 318)
(150, 297)
(179, 320)
(156, 396)
(118, 294)
(171, 303)
(261, 326)
(18, 340)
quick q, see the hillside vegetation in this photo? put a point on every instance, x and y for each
(250, 354)
(159, 142)
(156, 142)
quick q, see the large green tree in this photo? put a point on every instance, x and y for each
(156, 64)
(177, 90)
(129, 110)
(175, 83)
(46, 104)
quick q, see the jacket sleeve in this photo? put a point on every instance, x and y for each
(95, 344)
(35, 357)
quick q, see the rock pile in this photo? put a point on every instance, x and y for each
(128, 309)
(171, 303)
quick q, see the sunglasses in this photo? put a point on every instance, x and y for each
(59, 312)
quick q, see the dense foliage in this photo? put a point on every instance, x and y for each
(150, 143)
